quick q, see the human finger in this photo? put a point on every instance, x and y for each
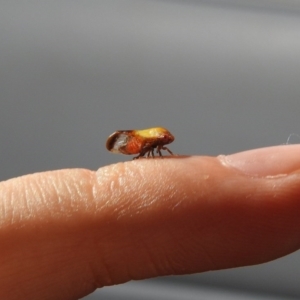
(65, 233)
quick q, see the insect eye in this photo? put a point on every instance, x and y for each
(165, 137)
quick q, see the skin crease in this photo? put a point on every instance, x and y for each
(65, 233)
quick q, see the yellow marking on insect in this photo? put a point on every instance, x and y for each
(151, 132)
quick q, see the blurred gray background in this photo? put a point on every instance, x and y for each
(222, 76)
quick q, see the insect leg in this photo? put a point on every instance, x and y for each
(165, 148)
(158, 150)
(152, 152)
(136, 157)
(139, 156)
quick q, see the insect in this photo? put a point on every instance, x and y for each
(140, 142)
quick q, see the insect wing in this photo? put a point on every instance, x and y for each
(117, 142)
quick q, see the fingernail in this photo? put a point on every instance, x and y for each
(271, 161)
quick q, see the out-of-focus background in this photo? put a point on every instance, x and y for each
(222, 75)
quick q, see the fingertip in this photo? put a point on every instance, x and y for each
(270, 161)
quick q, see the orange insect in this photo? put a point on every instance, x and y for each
(140, 142)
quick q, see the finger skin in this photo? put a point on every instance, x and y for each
(65, 233)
